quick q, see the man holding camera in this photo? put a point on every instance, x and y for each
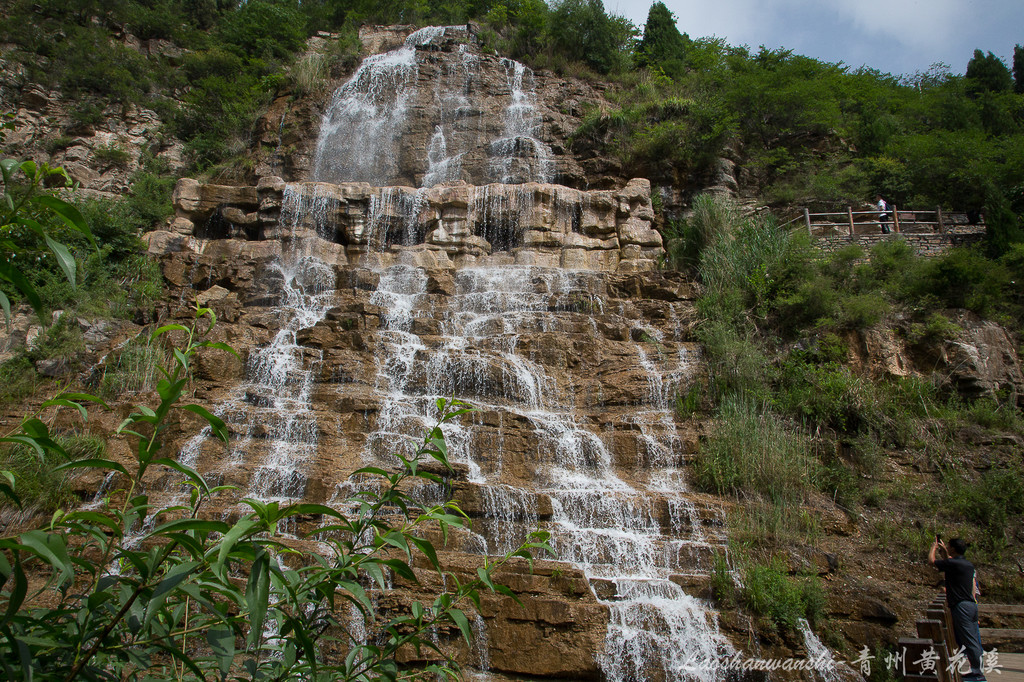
(961, 591)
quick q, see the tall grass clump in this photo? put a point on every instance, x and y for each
(40, 488)
(752, 452)
(768, 591)
(133, 370)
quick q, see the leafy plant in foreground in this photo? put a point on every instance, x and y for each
(26, 207)
(126, 590)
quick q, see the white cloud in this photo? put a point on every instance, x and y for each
(898, 36)
(914, 23)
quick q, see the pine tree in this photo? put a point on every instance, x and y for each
(663, 45)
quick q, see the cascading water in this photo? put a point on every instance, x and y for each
(601, 522)
(273, 403)
(522, 126)
(495, 338)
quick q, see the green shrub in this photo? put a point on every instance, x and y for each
(773, 523)
(309, 74)
(862, 311)
(937, 327)
(994, 500)
(992, 414)
(828, 394)
(133, 369)
(58, 144)
(19, 379)
(736, 362)
(111, 155)
(690, 402)
(964, 278)
(62, 340)
(723, 587)
(784, 600)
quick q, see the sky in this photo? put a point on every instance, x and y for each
(894, 36)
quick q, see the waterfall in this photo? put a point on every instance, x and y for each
(502, 331)
(520, 140)
(384, 102)
(608, 526)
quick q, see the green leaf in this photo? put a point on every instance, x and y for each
(5, 303)
(92, 464)
(459, 618)
(14, 276)
(96, 518)
(257, 595)
(485, 577)
(428, 550)
(396, 539)
(6, 166)
(168, 328)
(18, 592)
(241, 528)
(83, 396)
(297, 509)
(401, 568)
(194, 476)
(222, 642)
(217, 424)
(68, 213)
(221, 346)
(51, 548)
(7, 489)
(373, 569)
(507, 591)
(185, 525)
(370, 470)
(64, 259)
(163, 589)
(82, 412)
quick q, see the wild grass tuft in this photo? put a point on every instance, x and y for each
(752, 452)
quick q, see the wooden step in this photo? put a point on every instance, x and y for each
(1002, 609)
(1003, 639)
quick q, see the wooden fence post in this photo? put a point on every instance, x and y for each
(807, 219)
(938, 219)
(849, 215)
(896, 219)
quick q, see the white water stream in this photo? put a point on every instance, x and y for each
(629, 531)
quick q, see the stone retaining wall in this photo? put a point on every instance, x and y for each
(923, 244)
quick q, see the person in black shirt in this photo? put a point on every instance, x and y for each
(961, 589)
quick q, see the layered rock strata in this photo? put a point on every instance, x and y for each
(442, 226)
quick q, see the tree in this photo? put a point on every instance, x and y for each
(663, 46)
(1018, 69)
(987, 73)
(583, 30)
(1002, 225)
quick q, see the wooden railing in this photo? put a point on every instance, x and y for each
(931, 655)
(852, 223)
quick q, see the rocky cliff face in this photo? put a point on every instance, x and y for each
(429, 107)
(430, 255)
(101, 155)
